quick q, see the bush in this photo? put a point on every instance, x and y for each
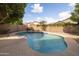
(29, 29)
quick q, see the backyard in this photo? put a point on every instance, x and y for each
(37, 38)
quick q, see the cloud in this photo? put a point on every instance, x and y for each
(38, 19)
(50, 19)
(37, 8)
(72, 4)
(47, 19)
(64, 15)
(61, 16)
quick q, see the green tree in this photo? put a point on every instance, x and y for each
(43, 25)
(11, 13)
(75, 14)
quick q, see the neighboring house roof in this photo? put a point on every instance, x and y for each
(66, 21)
(70, 21)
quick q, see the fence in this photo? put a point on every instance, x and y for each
(12, 28)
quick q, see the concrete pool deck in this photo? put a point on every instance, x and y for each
(18, 46)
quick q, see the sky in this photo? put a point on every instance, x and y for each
(50, 12)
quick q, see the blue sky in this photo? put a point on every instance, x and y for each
(50, 12)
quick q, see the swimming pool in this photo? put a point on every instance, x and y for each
(44, 42)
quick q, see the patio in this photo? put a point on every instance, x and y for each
(18, 46)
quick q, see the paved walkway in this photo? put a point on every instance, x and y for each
(12, 37)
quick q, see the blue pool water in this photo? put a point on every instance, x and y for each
(44, 42)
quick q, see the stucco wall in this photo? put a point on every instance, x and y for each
(50, 28)
(54, 29)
